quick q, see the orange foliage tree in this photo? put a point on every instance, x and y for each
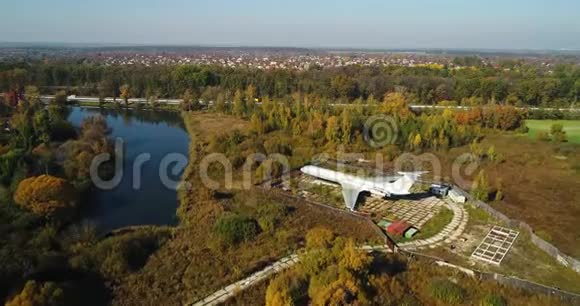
(46, 195)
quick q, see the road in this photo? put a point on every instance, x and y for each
(48, 98)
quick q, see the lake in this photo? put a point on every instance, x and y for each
(156, 133)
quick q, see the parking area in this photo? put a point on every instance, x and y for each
(415, 211)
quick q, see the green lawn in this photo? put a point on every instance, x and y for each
(572, 128)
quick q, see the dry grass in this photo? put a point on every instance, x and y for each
(540, 184)
(217, 123)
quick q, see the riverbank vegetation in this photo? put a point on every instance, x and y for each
(44, 181)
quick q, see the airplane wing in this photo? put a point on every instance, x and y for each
(350, 194)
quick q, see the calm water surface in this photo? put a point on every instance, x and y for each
(156, 133)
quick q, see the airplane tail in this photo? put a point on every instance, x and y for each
(403, 185)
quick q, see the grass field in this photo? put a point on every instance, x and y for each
(572, 128)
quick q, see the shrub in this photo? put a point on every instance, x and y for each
(446, 291)
(46, 195)
(493, 299)
(232, 229)
(8, 164)
(269, 215)
(119, 255)
(543, 136)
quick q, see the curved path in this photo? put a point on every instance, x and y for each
(225, 293)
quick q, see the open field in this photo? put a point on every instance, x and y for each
(539, 182)
(523, 260)
(571, 127)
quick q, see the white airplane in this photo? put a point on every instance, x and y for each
(353, 185)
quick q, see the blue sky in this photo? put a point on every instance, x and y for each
(492, 24)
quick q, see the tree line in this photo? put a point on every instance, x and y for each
(515, 84)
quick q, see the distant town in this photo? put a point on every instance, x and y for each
(281, 58)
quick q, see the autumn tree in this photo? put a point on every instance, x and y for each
(286, 289)
(125, 93)
(395, 104)
(47, 196)
(38, 294)
(332, 130)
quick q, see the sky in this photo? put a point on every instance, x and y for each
(489, 24)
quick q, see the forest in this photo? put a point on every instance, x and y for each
(511, 83)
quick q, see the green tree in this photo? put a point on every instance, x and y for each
(346, 126)
(239, 105)
(480, 187)
(233, 229)
(558, 133)
(32, 94)
(60, 98)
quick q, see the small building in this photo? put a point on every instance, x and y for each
(456, 196)
(439, 189)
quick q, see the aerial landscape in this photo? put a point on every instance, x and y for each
(300, 153)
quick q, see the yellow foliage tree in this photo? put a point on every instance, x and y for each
(125, 92)
(354, 260)
(286, 289)
(396, 105)
(319, 237)
(332, 129)
(46, 195)
(38, 294)
(417, 141)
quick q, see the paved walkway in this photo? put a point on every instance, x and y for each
(225, 293)
(449, 233)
